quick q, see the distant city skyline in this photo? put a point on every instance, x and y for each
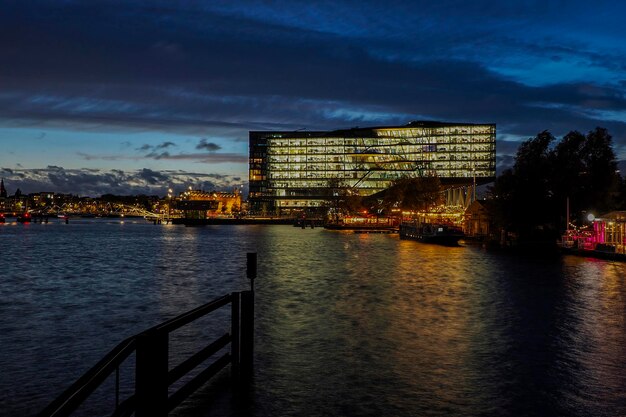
(137, 97)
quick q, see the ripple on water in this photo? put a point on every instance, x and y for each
(346, 324)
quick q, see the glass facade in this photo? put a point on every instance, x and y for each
(297, 169)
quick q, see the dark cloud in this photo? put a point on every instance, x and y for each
(154, 148)
(93, 182)
(158, 155)
(165, 145)
(200, 157)
(152, 177)
(209, 146)
(209, 158)
(267, 70)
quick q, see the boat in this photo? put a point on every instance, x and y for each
(364, 225)
(440, 234)
(2, 218)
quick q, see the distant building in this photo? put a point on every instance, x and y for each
(298, 170)
(196, 204)
(3, 191)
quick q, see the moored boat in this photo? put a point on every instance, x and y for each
(364, 224)
(440, 234)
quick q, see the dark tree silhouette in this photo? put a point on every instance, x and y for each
(420, 193)
(523, 193)
(531, 197)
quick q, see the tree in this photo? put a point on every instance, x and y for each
(585, 172)
(531, 196)
(419, 193)
(523, 194)
(569, 174)
(602, 179)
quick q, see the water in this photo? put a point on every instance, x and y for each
(346, 324)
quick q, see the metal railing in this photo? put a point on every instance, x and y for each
(152, 374)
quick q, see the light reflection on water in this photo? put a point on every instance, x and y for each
(347, 324)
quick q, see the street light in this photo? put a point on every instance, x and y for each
(169, 205)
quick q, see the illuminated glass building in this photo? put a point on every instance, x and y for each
(296, 169)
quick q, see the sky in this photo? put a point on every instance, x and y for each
(130, 97)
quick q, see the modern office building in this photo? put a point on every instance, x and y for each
(296, 169)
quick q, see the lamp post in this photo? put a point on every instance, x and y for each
(169, 205)
(474, 189)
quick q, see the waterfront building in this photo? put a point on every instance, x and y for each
(301, 169)
(197, 204)
(609, 231)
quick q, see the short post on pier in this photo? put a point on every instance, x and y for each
(242, 326)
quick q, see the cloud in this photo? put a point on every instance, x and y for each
(209, 146)
(219, 69)
(95, 182)
(165, 145)
(302, 73)
(152, 177)
(158, 155)
(199, 157)
(210, 158)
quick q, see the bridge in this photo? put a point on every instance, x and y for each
(109, 209)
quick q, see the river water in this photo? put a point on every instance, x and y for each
(346, 324)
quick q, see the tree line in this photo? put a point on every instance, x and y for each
(530, 198)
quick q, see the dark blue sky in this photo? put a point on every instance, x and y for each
(133, 96)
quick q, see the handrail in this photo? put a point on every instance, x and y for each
(185, 318)
(68, 401)
(152, 377)
(76, 393)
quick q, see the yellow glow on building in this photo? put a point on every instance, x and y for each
(295, 169)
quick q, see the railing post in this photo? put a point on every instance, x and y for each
(235, 330)
(151, 384)
(247, 333)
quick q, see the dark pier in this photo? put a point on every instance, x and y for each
(151, 350)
